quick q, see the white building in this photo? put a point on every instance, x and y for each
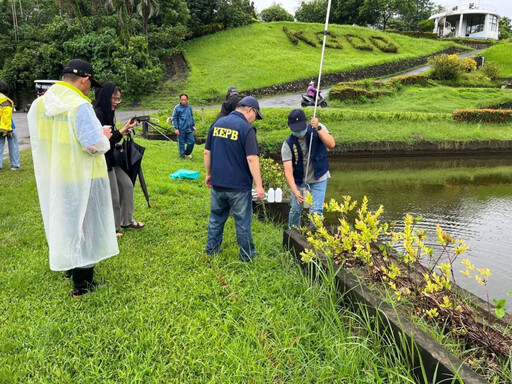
(468, 20)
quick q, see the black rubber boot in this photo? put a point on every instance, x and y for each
(83, 281)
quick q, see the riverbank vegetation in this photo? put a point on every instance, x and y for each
(351, 127)
(164, 312)
(422, 284)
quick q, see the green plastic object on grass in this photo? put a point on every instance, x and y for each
(182, 174)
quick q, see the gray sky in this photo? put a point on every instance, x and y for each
(503, 7)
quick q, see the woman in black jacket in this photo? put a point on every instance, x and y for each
(107, 100)
(231, 102)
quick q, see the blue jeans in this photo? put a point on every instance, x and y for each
(186, 141)
(240, 204)
(14, 153)
(317, 190)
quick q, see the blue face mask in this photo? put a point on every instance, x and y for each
(300, 134)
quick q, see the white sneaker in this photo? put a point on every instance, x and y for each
(189, 156)
(15, 168)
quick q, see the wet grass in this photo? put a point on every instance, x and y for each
(164, 311)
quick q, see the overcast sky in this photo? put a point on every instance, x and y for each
(503, 7)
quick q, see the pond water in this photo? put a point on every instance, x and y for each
(471, 198)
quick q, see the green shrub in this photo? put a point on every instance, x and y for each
(468, 64)
(417, 34)
(272, 174)
(491, 70)
(356, 94)
(493, 116)
(410, 80)
(446, 67)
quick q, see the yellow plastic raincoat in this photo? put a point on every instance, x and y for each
(6, 106)
(71, 174)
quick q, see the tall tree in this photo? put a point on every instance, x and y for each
(146, 10)
(312, 12)
(381, 11)
(275, 13)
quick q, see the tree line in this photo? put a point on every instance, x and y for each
(126, 41)
(131, 42)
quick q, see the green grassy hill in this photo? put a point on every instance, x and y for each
(262, 55)
(500, 54)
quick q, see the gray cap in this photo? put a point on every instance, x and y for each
(249, 101)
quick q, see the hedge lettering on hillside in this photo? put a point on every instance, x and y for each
(386, 47)
(493, 116)
(362, 45)
(358, 42)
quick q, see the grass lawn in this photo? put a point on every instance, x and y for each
(352, 126)
(236, 57)
(165, 313)
(500, 54)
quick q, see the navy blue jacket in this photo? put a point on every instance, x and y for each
(183, 118)
(228, 157)
(318, 156)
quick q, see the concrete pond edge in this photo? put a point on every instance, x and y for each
(439, 364)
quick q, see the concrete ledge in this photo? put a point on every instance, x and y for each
(439, 364)
(422, 148)
(276, 212)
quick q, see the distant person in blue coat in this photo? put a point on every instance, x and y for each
(184, 126)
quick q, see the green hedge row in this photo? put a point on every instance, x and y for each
(494, 116)
(410, 80)
(417, 34)
(356, 94)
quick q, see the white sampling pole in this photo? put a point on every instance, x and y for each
(322, 57)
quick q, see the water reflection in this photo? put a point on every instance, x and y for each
(471, 198)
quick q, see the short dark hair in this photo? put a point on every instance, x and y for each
(184, 94)
(4, 87)
(70, 77)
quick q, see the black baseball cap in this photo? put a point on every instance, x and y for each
(297, 120)
(232, 91)
(249, 101)
(82, 68)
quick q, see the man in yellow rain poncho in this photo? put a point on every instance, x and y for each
(68, 143)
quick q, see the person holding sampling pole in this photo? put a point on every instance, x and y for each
(304, 155)
(313, 141)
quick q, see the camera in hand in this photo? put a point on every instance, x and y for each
(140, 119)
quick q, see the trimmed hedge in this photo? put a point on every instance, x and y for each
(348, 93)
(492, 116)
(417, 34)
(291, 36)
(388, 48)
(362, 47)
(335, 44)
(410, 80)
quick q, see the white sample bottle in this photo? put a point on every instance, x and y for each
(270, 195)
(279, 195)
